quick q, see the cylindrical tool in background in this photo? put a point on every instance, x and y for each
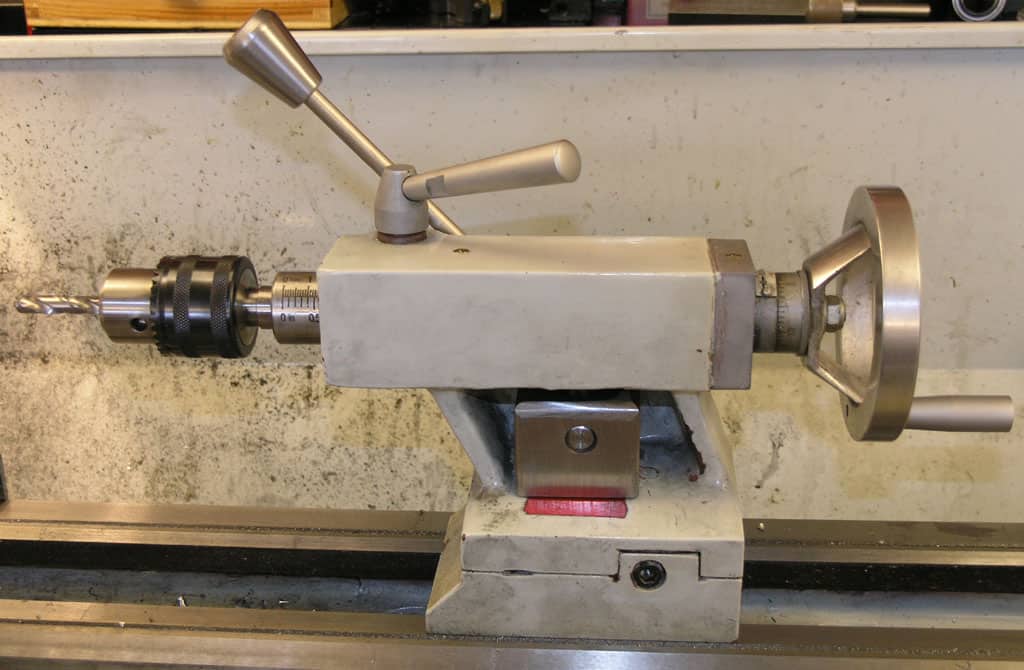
(788, 11)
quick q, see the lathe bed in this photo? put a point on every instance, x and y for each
(221, 587)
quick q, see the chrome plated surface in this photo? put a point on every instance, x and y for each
(552, 163)
(126, 308)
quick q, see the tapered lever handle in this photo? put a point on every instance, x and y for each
(552, 163)
(962, 413)
(267, 53)
(264, 51)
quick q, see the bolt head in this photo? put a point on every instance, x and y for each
(580, 439)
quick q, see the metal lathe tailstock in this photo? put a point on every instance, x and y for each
(603, 521)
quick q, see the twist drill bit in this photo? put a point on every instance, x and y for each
(58, 304)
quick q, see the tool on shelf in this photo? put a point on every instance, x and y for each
(813, 11)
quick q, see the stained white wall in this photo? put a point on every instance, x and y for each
(113, 162)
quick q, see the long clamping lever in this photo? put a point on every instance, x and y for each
(267, 53)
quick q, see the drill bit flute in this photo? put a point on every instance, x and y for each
(58, 304)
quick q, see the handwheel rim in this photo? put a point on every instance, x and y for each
(889, 275)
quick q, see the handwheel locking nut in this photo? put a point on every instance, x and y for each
(835, 313)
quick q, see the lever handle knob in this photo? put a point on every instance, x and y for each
(962, 413)
(264, 51)
(552, 163)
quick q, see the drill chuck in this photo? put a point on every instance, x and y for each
(196, 303)
(196, 306)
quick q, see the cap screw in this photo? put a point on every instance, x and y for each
(648, 575)
(580, 439)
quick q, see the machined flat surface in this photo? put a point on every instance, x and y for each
(929, 543)
(779, 553)
(520, 311)
(884, 556)
(216, 526)
(82, 632)
(780, 629)
(791, 540)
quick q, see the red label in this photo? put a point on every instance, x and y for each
(614, 509)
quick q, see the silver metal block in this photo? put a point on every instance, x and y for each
(585, 449)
